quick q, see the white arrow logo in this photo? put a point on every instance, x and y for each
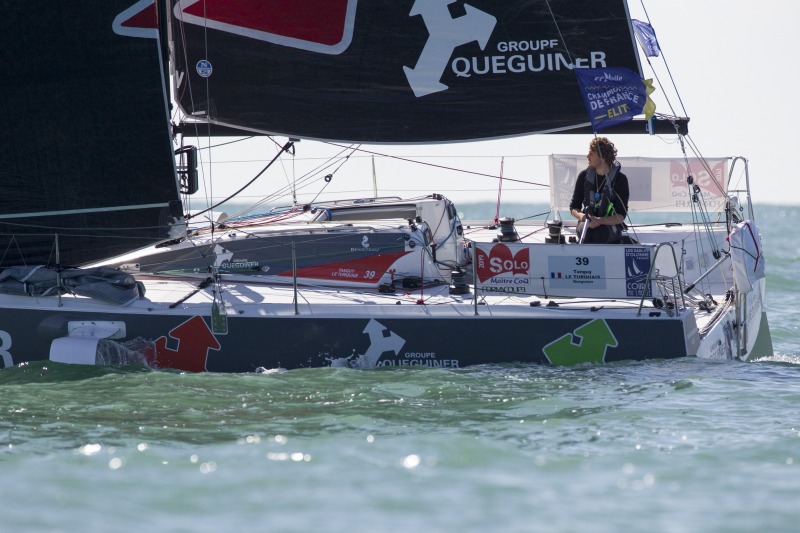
(221, 255)
(378, 344)
(444, 35)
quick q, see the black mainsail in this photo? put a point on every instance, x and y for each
(405, 71)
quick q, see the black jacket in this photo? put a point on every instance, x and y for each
(583, 193)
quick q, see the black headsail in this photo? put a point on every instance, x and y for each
(400, 71)
(85, 147)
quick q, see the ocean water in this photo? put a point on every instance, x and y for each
(667, 446)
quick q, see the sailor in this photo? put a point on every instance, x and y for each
(600, 199)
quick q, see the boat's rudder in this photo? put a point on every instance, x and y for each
(763, 345)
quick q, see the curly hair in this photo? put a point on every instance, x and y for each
(605, 148)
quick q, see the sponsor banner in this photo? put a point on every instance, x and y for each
(583, 272)
(656, 184)
(637, 265)
(504, 268)
(372, 270)
(612, 271)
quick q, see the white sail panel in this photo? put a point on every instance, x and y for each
(656, 184)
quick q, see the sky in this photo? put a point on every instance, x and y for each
(735, 67)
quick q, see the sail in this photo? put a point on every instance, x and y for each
(85, 149)
(405, 71)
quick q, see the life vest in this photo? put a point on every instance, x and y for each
(601, 205)
(599, 202)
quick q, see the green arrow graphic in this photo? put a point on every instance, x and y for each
(586, 344)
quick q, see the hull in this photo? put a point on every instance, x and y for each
(444, 332)
(188, 342)
(537, 302)
(560, 304)
(740, 334)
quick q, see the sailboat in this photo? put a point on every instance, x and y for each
(104, 263)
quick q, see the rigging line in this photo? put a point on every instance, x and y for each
(399, 158)
(286, 188)
(294, 177)
(13, 241)
(210, 188)
(280, 193)
(720, 186)
(287, 177)
(331, 161)
(671, 78)
(285, 148)
(698, 204)
(201, 255)
(696, 151)
(244, 217)
(328, 181)
(302, 182)
(195, 124)
(248, 210)
(655, 74)
(499, 192)
(534, 216)
(225, 143)
(306, 177)
(246, 221)
(558, 28)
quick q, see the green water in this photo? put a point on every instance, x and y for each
(667, 446)
(684, 445)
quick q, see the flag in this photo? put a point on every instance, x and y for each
(647, 38)
(614, 95)
(649, 106)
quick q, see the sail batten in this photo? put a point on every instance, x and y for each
(87, 210)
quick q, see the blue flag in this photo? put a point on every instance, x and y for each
(613, 95)
(647, 38)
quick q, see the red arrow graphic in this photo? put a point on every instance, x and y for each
(194, 340)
